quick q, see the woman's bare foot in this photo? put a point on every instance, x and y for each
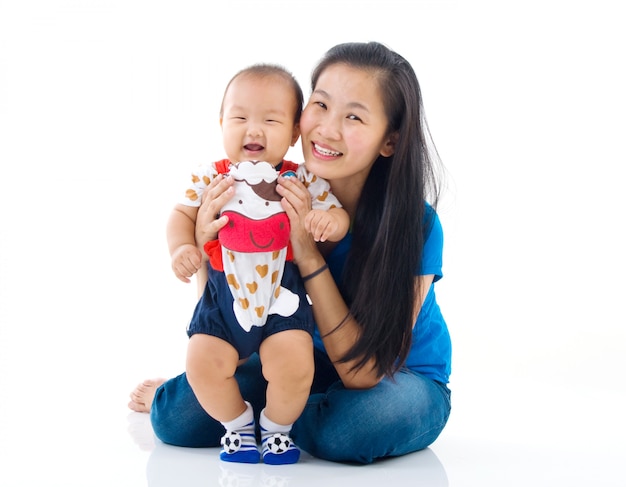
(143, 395)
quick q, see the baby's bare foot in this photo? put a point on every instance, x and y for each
(143, 395)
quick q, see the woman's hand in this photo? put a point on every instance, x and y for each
(208, 221)
(297, 204)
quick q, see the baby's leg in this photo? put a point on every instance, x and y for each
(211, 365)
(287, 360)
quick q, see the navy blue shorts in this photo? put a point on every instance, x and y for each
(214, 314)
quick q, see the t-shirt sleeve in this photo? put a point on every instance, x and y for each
(322, 197)
(201, 177)
(432, 256)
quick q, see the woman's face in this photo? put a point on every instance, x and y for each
(344, 125)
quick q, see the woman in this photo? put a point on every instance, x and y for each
(382, 356)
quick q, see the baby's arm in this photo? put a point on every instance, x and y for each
(331, 224)
(187, 259)
(180, 231)
(327, 220)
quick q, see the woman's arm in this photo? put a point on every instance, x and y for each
(329, 307)
(331, 313)
(422, 286)
(202, 276)
(338, 329)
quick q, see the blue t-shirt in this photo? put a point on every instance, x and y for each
(431, 351)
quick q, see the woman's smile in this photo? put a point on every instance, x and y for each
(324, 152)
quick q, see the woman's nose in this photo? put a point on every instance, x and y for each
(329, 128)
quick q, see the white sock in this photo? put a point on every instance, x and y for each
(240, 429)
(241, 421)
(269, 427)
(278, 447)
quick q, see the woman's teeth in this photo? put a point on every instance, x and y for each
(326, 152)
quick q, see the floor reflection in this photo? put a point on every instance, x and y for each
(170, 466)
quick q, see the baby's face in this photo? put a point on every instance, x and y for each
(258, 119)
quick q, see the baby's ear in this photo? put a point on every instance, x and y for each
(389, 145)
(295, 135)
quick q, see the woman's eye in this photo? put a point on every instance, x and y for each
(353, 117)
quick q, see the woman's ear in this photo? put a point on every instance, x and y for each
(389, 145)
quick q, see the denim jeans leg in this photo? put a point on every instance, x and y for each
(178, 419)
(391, 419)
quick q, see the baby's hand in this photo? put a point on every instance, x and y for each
(186, 260)
(320, 224)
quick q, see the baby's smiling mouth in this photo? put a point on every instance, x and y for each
(253, 147)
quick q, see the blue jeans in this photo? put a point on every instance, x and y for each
(396, 417)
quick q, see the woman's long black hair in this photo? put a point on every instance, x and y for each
(391, 221)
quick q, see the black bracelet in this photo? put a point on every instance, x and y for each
(314, 273)
(345, 318)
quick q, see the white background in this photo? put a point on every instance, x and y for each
(106, 105)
